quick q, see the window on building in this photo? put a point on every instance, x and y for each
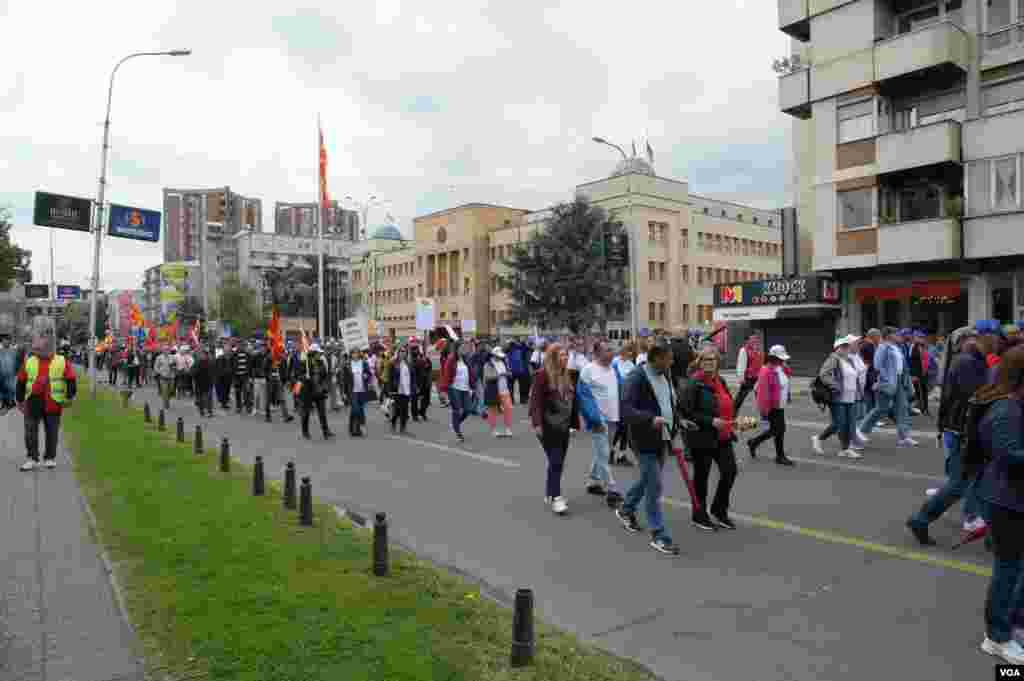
(856, 208)
(494, 317)
(700, 276)
(652, 232)
(650, 271)
(651, 311)
(465, 254)
(724, 214)
(769, 222)
(685, 234)
(755, 219)
(661, 312)
(661, 271)
(707, 211)
(1004, 183)
(856, 120)
(686, 274)
(686, 313)
(739, 217)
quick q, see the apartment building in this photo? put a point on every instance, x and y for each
(301, 220)
(216, 214)
(908, 134)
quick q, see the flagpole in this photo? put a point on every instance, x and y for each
(320, 236)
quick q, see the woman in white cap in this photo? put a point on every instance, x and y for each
(772, 396)
(840, 376)
(497, 395)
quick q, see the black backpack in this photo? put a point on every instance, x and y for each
(973, 456)
(821, 394)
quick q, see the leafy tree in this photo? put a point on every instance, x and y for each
(74, 325)
(238, 304)
(560, 277)
(12, 258)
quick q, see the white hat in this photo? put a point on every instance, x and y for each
(779, 351)
(498, 352)
(842, 340)
(852, 339)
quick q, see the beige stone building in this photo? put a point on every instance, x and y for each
(685, 245)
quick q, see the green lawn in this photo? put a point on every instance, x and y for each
(228, 585)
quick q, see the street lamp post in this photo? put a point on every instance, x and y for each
(101, 197)
(633, 240)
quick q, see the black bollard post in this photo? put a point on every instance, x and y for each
(181, 429)
(380, 545)
(162, 422)
(289, 485)
(199, 440)
(225, 456)
(306, 503)
(522, 629)
(147, 415)
(257, 475)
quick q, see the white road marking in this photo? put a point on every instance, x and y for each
(461, 452)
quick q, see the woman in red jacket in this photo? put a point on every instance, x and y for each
(772, 395)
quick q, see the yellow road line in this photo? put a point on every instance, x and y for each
(864, 544)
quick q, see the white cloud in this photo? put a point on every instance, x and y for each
(506, 98)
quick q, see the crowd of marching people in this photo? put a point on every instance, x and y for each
(639, 404)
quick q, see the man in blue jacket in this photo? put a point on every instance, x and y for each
(648, 406)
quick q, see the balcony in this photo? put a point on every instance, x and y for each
(993, 235)
(795, 93)
(921, 146)
(994, 135)
(940, 44)
(919, 241)
(793, 19)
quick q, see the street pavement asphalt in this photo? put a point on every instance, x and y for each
(821, 580)
(59, 617)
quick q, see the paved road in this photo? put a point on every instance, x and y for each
(821, 581)
(59, 620)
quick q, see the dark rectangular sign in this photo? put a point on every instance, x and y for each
(67, 292)
(616, 248)
(134, 223)
(37, 291)
(62, 212)
(791, 291)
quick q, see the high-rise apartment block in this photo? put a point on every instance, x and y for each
(909, 134)
(302, 220)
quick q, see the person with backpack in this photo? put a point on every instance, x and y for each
(967, 374)
(839, 375)
(1001, 442)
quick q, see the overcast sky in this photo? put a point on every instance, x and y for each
(428, 104)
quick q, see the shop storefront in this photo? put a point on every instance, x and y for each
(938, 305)
(800, 313)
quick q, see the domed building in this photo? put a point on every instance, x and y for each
(386, 232)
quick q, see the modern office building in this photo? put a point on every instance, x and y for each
(908, 134)
(301, 219)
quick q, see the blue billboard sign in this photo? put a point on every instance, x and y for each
(134, 223)
(69, 292)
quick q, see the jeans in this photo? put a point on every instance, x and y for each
(51, 427)
(842, 424)
(357, 414)
(897, 403)
(556, 464)
(976, 504)
(952, 491)
(458, 401)
(600, 471)
(649, 487)
(1004, 591)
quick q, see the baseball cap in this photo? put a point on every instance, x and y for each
(988, 327)
(779, 351)
(873, 332)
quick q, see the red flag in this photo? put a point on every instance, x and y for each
(324, 200)
(275, 336)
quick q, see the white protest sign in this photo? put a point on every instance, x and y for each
(424, 314)
(353, 334)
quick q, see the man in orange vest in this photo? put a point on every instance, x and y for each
(748, 368)
(45, 385)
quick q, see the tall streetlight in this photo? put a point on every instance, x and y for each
(364, 208)
(98, 235)
(633, 239)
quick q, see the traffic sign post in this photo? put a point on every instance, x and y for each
(62, 212)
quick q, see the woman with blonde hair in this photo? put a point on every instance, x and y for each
(552, 410)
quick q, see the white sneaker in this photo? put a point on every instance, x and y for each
(853, 454)
(1011, 651)
(931, 491)
(908, 442)
(50, 463)
(915, 411)
(559, 506)
(862, 437)
(507, 433)
(29, 465)
(816, 445)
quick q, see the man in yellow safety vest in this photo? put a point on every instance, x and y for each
(45, 385)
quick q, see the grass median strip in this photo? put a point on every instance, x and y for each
(223, 585)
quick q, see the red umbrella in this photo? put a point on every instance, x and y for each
(684, 469)
(966, 537)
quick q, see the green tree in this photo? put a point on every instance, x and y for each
(238, 305)
(13, 259)
(560, 278)
(74, 324)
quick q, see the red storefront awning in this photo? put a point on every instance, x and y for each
(919, 289)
